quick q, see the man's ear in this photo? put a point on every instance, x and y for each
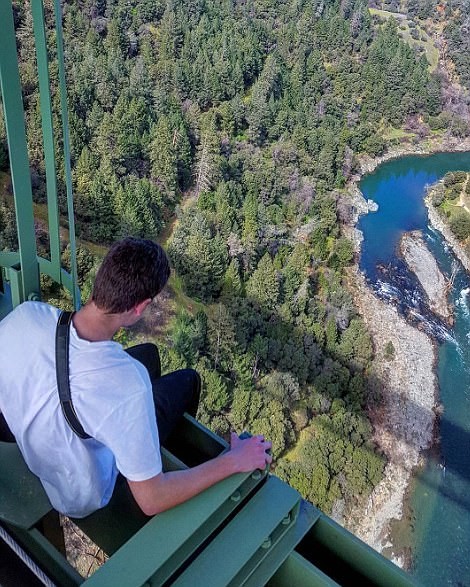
(139, 308)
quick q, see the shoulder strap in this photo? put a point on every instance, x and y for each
(62, 373)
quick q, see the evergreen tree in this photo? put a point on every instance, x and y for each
(263, 286)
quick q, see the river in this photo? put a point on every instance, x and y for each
(440, 501)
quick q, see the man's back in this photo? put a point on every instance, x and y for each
(112, 397)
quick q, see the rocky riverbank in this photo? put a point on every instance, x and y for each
(403, 419)
(423, 264)
(438, 223)
(368, 164)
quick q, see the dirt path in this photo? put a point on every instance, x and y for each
(463, 191)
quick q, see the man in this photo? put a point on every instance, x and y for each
(125, 414)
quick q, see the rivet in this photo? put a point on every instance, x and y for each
(267, 543)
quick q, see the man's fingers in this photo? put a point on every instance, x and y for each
(267, 445)
(268, 459)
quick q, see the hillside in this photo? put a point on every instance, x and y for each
(244, 121)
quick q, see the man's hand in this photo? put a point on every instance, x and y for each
(169, 489)
(250, 453)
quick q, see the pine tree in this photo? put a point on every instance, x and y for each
(232, 286)
(163, 156)
(250, 221)
(263, 286)
(207, 158)
(221, 336)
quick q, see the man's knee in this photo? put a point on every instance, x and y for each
(147, 354)
(5, 433)
(193, 383)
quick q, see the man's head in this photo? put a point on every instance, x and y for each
(134, 270)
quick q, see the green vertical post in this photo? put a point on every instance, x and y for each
(67, 156)
(19, 163)
(48, 136)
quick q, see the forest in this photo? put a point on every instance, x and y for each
(227, 130)
(451, 197)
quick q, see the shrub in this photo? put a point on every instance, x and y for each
(460, 224)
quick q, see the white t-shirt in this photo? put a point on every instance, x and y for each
(111, 393)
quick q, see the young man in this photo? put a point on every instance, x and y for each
(124, 411)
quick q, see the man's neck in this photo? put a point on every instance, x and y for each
(95, 325)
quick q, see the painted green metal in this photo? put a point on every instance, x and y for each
(48, 136)
(52, 561)
(298, 571)
(244, 543)
(341, 555)
(250, 524)
(307, 516)
(194, 443)
(23, 268)
(157, 551)
(19, 164)
(5, 297)
(23, 501)
(67, 158)
(112, 526)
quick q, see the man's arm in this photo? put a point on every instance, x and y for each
(166, 490)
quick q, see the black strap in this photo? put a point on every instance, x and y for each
(62, 372)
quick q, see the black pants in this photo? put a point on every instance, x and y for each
(5, 432)
(173, 394)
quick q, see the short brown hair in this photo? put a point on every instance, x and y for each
(133, 270)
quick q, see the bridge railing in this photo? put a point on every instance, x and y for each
(21, 269)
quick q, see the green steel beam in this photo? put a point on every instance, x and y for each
(308, 515)
(19, 163)
(48, 137)
(9, 258)
(23, 500)
(23, 267)
(169, 538)
(246, 540)
(298, 571)
(351, 555)
(67, 156)
(51, 560)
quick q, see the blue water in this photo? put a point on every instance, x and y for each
(441, 498)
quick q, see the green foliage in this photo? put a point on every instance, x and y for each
(199, 256)
(214, 396)
(389, 351)
(3, 155)
(255, 114)
(253, 410)
(8, 237)
(232, 284)
(263, 285)
(460, 223)
(454, 177)
(456, 33)
(342, 254)
(335, 460)
(221, 336)
(355, 345)
(85, 262)
(188, 337)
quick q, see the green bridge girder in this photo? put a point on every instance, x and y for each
(21, 269)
